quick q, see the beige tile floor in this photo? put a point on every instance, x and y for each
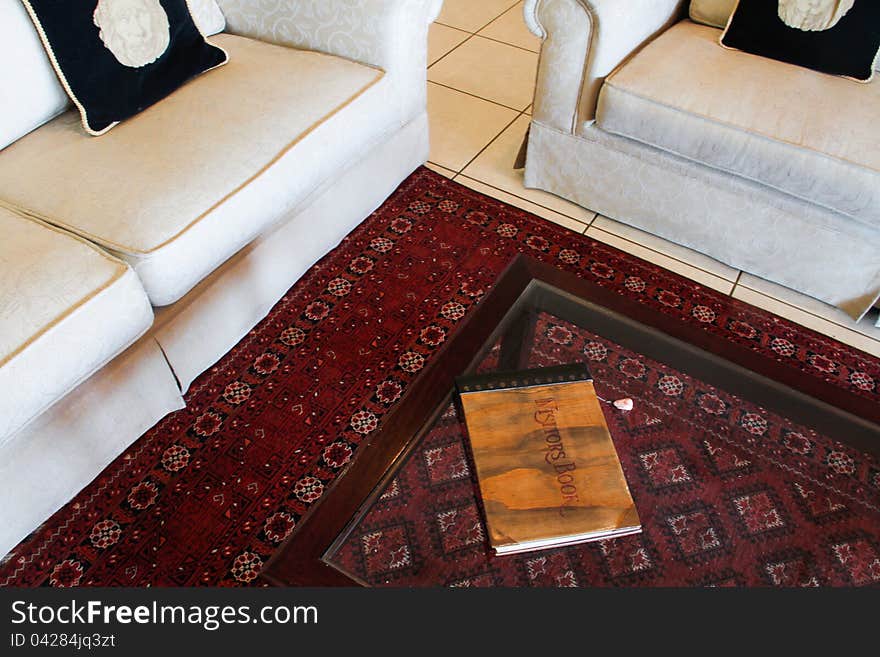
(481, 76)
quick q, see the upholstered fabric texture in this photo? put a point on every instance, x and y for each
(389, 34)
(71, 442)
(49, 461)
(823, 147)
(584, 41)
(187, 211)
(711, 12)
(66, 308)
(566, 29)
(744, 224)
(30, 93)
(223, 307)
(355, 29)
(207, 15)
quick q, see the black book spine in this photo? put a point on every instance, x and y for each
(523, 378)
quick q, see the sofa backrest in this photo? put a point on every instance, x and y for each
(712, 12)
(208, 16)
(30, 93)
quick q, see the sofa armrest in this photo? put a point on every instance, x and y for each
(388, 34)
(584, 41)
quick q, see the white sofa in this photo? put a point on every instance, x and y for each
(131, 262)
(774, 169)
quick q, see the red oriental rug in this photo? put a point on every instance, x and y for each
(728, 493)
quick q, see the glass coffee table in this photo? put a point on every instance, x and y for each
(712, 419)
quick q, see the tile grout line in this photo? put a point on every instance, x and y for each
(738, 277)
(660, 253)
(665, 255)
(451, 50)
(440, 166)
(810, 313)
(452, 27)
(477, 33)
(505, 43)
(467, 93)
(527, 200)
(482, 27)
(497, 17)
(737, 284)
(492, 141)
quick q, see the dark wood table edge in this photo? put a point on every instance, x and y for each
(299, 561)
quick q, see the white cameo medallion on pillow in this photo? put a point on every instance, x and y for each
(135, 31)
(813, 15)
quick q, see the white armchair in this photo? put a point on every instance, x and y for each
(584, 41)
(641, 115)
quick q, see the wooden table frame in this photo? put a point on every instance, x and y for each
(509, 309)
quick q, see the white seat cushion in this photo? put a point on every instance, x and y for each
(810, 135)
(181, 187)
(66, 308)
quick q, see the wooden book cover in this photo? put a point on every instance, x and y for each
(547, 468)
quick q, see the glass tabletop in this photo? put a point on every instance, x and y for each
(737, 473)
(685, 446)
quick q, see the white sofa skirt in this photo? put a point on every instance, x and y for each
(44, 465)
(47, 463)
(743, 224)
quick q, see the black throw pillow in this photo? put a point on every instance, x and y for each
(845, 43)
(115, 58)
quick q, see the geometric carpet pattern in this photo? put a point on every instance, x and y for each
(728, 493)
(208, 494)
